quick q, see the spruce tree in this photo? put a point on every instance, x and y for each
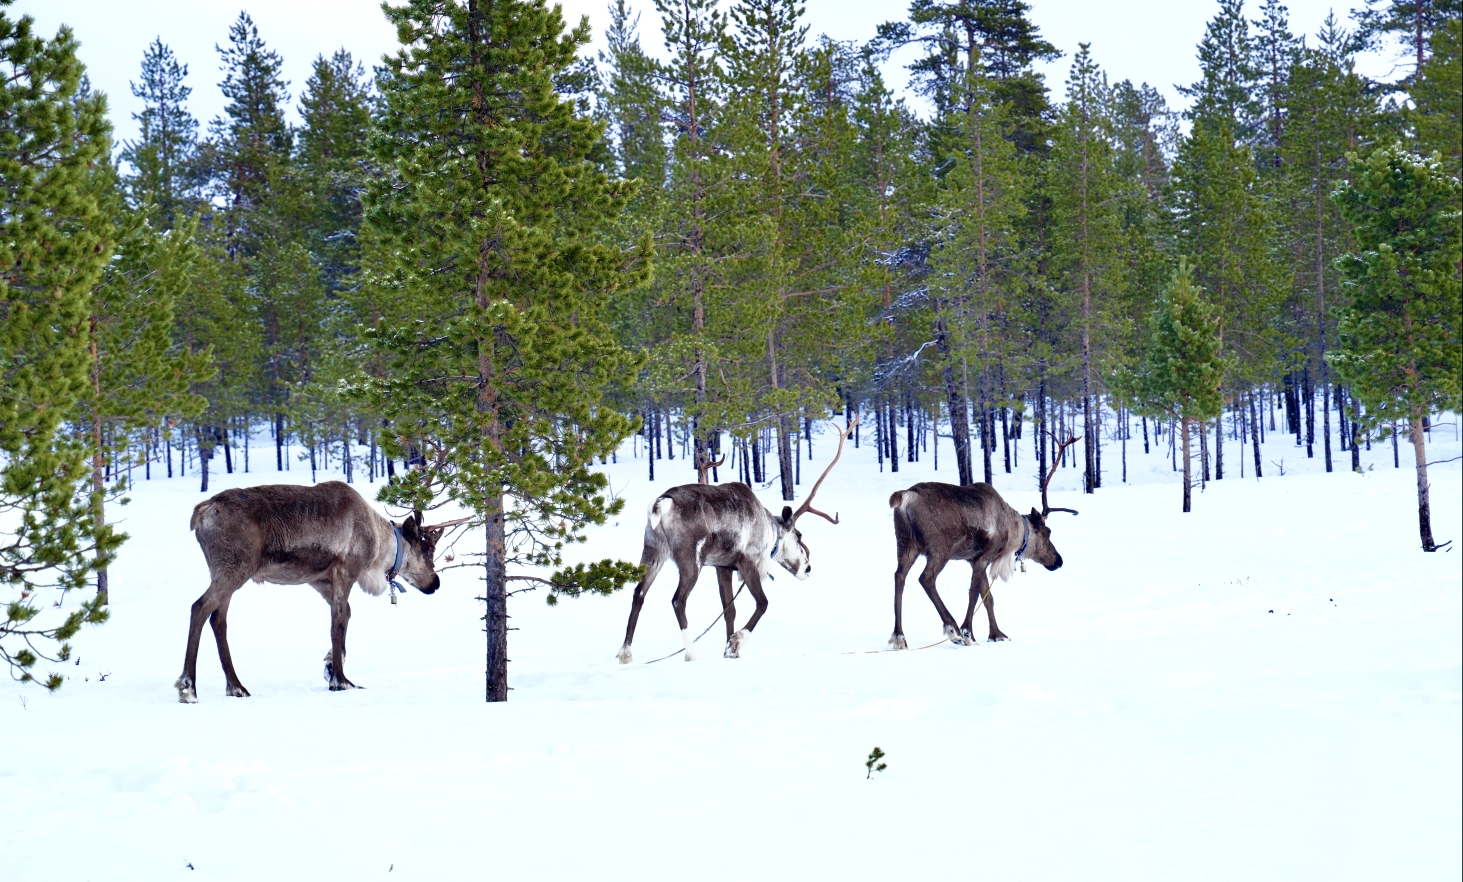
(1401, 336)
(494, 224)
(55, 240)
(164, 156)
(1179, 375)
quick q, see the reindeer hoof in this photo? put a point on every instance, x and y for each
(898, 642)
(187, 694)
(968, 637)
(342, 684)
(955, 636)
(997, 635)
(736, 644)
(237, 690)
(624, 656)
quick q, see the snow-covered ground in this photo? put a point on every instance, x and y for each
(1267, 688)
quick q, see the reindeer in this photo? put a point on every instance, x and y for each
(325, 536)
(727, 527)
(945, 522)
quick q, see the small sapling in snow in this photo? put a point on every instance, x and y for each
(872, 763)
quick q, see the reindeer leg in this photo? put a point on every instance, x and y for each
(933, 565)
(690, 571)
(978, 589)
(728, 607)
(737, 640)
(908, 553)
(220, 622)
(990, 613)
(340, 617)
(203, 607)
(651, 558)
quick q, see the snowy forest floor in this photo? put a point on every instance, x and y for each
(1267, 688)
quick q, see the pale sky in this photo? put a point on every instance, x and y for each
(1149, 41)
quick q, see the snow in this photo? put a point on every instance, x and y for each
(1267, 688)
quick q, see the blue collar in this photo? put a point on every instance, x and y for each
(1025, 536)
(396, 564)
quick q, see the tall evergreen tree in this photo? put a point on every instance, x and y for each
(1087, 226)
(1182, 365)
(163, 157)
(139, 376)
(1401, 335)
(55, 240)
(495, 220)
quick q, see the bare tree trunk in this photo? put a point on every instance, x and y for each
(1219, 445)
(1255, 427)
(495, 595)
(1424, 505)
(1187, 479)
(955, 402)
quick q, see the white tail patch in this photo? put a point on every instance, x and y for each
(660, 510)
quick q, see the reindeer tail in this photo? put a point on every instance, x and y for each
(900, 498)
(660, 509)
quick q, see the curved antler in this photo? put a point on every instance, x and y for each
(807, 505)
(1046, 509)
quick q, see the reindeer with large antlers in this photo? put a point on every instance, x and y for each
(944, 522)
(727, 527)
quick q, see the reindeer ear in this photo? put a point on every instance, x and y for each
(1035, 518)
(786, 514)
(412, 525)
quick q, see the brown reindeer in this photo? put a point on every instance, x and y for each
(727, 527)
(944, 522)
(325, 536)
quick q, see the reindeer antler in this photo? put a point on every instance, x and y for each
(445, 524)
(807, 505)
(1046, 509)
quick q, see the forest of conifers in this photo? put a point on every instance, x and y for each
(736, 241)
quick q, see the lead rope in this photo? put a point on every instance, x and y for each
(703, 633)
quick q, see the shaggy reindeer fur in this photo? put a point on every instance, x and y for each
(325, 536)
(944, 523)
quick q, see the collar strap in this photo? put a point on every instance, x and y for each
(1025, 536)
(395, 564)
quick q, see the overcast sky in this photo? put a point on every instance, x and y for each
(1149, 41)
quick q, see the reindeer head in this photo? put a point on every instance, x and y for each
(790, 552)
(1039, 546)
(418, 551)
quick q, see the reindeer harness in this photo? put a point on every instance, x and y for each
(1025, 538)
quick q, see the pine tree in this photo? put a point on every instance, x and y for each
(1328, 111)
(974, 239)
(164, 156)
(1411, 23)
(1087, 225)
(55, 240)
(1182, 365)
(1437, 97)
(139, 377)
(1401, 336)
(494, 224)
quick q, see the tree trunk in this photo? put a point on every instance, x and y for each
(1424, 507)
(495, 595)
(955, 402)
(892, 433)
(279, 442)
(1219, 445)
(1187, 480)
(784, 458)
(1255, 434)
